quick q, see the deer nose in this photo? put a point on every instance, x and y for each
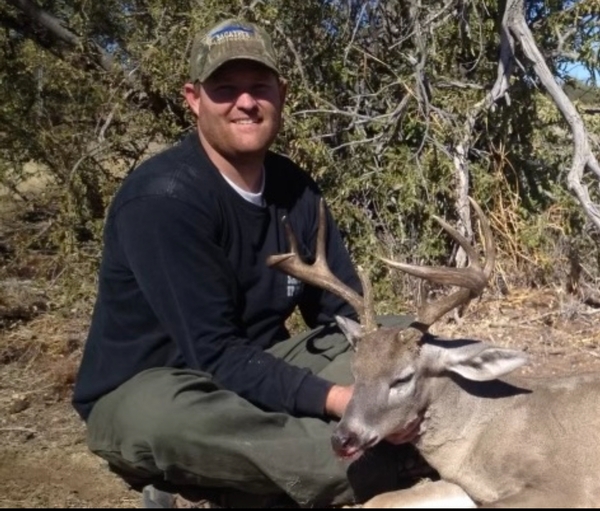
(343, 441)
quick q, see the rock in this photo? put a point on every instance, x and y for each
(18, 403)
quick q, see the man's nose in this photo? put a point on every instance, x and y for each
(246, 101)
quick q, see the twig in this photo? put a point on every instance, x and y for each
(19, 429)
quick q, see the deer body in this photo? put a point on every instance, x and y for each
(539, 448)
(522, 442)
(504, 441)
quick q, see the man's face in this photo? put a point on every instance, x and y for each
(238, 108)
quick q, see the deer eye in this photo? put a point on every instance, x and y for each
(401, 380)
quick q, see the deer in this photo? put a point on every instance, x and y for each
(496, 439)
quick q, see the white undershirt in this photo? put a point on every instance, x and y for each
(254, 198)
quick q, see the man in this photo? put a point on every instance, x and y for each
(189, 378)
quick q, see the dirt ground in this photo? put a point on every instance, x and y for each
(43, 458)
(44, 461)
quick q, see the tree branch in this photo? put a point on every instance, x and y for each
(32, 10)
(54, 26)
(95, 53)
(583, 157)
(461, 151)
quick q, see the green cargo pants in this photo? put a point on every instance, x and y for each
(177, 429)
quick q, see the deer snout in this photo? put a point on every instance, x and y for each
(348, 444)
(343, 441)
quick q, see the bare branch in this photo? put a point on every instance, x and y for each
(92, 52)
(56, 28)
(583, 157)
(461, 151)
(295, 53)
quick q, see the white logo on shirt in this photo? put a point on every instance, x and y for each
(293, 286)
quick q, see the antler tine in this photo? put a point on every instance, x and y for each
(368, 320)
(472, 279)
(319, 274)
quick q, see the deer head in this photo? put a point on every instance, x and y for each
(392, 366)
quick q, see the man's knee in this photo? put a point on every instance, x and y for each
(148, 408)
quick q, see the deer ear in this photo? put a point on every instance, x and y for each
(480, 362)
(351, 329)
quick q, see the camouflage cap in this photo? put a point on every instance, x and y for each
(230, 40)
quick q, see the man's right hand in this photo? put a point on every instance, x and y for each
(337, 400)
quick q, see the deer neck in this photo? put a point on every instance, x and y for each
(454, 419)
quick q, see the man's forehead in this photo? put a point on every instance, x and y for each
(241, 66)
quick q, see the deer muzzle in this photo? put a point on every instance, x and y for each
(349, 445)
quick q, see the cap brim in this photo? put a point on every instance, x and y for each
(220, 62)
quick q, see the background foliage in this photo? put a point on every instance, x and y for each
(379, 96)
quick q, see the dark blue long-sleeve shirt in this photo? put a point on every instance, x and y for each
(183, 281)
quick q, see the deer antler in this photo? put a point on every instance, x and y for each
(319, 275)
(472, 279)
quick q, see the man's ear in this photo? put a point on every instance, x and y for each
(283, 88)
(191, 93)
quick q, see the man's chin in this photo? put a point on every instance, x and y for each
(248, 153)
(253, 145)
